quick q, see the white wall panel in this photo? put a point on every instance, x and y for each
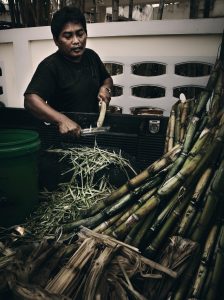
(166, 41)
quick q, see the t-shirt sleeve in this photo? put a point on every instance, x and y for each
(104, 74)
(43, 82)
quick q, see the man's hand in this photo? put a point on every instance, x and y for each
(67, 126)
(104, 95)
(40, 109)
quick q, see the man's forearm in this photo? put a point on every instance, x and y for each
(41, 110)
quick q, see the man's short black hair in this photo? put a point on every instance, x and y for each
(65, 15)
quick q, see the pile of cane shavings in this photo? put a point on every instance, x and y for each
(81, 192)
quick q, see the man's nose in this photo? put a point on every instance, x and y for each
(75, 39)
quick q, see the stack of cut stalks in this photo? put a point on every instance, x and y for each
(179, 195)
(94, 267)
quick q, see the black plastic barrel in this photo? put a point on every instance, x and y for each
(18, 174)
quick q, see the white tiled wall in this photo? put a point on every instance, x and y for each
(166, 41)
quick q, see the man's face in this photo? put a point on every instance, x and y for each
(72, 41)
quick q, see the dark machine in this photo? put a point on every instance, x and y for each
(140, 137)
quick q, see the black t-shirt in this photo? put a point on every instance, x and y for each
(68, 86)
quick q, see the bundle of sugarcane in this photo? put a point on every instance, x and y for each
(176, 195)
(163, 182)
(180, 116)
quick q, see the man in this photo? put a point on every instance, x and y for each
(71, 79)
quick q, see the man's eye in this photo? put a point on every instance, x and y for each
(80, 33)
(67, 35)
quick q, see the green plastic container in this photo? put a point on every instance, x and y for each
(19, 186)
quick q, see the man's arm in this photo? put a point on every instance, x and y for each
(41, 110)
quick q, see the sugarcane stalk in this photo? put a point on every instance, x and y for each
(171, 123)
(182, 289)
(212, 198)
(202, 272)
(170, 186)
(196, 119)
(148, 186)
(106, 224)
(130, 211)
(206, 285)
(202, 126)
(144, 210)
(205, 95)
(162, 235)
(112, 210)
(171, 129)
(141, 191)
(184, 156)
(178, 111)
(216, 105)
(218, 269)
(97, 219)
(162, 216)
(165, 150)
(194, 223)
(140, 234)
(195, 163)
(133, 231)
(131, 184)
(195, 202)
(183, 120)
